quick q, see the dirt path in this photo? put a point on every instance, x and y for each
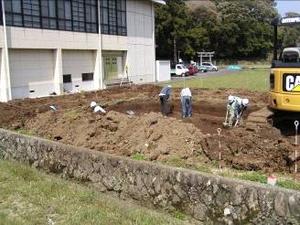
(149, 135)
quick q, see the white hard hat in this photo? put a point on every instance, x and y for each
(245, 101)
(93, 104)
(169, 85)
(99, 109)
(230, 98)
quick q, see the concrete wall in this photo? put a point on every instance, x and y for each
(211, 199)
(20, 37)
(141, 48)
(163, 70)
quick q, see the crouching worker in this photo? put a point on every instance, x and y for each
(96, 108)
(186, 102)
(164, 97)
(235, 109)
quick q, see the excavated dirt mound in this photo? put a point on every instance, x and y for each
(150, 134)
(147, 134)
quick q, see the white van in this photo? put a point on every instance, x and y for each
(209, 66)
(180, 70)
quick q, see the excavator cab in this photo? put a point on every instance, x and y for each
(284, 95)
(291, 55)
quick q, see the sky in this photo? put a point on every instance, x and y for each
(284, 6)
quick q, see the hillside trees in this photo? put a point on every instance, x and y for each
(175, 31)
(232, 28)
(290, 35)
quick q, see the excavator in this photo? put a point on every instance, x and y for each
(284, 95)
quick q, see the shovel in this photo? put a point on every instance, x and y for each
(239, 118)
(225, 124)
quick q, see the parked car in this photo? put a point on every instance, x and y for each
(209, 66)
(179, 70)
(202, 69)
(192, 69)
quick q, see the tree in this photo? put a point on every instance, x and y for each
(171, 23)
(243, 28)
(232, 28)
(290, 36)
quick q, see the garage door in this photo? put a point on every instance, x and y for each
(31, 73)
(78, 70)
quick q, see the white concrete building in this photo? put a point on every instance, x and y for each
(56, 46)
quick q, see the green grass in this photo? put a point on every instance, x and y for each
(255, 80)
(26, 132)
(283, 180)
(28, 196)
(138, 156)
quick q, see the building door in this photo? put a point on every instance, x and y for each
(80, 64)
(32, 72)
(110, 68)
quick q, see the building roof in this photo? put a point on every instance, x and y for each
(159, 1)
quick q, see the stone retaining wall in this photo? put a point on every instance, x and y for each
(208, 198)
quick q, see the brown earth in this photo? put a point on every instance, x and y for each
(255, 145)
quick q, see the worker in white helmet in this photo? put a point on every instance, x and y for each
(236, 107)
(241, 107)
(96, 108)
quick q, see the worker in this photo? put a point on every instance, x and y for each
(235, 108)
(186, 102)
(96, 108)
(164, 96)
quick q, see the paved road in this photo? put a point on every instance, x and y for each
(221, 72)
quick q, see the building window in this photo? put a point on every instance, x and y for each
(113, 17)
(64, 15)
(67, 78)
(78, 15)
(1, 16)
(31, 13)
(13, 11)
(48, 8)
(70, 15)
(91, 14)
(87, 76)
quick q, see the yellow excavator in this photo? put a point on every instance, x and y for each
(284, 95)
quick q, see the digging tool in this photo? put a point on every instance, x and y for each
(225, 124)
(296, 123)
(239, 118)
(219, 130)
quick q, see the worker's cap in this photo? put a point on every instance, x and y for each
(245, 101)
(169, 85)
(93, 104)
(230, 98)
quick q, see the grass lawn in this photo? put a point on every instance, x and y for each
(28, 196)
(255, 80)
(283, 180)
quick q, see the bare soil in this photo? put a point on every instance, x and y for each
(255, 145)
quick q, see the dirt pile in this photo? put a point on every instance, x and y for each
(150, 134)
(261, 149)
